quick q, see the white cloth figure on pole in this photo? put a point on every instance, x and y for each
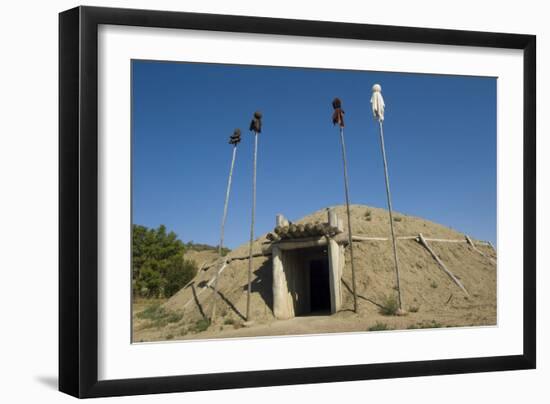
(378, 110)
(377, 102)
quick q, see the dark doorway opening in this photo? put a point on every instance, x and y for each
(319, 285)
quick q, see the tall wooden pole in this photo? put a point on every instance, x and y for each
(249, 290)
(350, 236)
(256, 127)
(222, 231)
(224, 217)
(390, 210)
(338, 119)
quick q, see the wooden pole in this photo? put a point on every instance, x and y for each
(388, 196)
(423, 241)
(222, 231)
(350, 238)
(224, 217)
(207, 286)
(249, 289)
(469, 240)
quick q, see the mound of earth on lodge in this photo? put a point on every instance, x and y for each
(431, 298)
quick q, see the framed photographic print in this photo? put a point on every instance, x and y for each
(250, 201)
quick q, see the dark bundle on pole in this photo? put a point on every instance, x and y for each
(256, 123)
(338, 118)
(256, 127)
(338, 114)
(234, 140)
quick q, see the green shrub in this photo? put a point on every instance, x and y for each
(151, 313)
(229, 321)
(397, 219)
(433, 285)
(158, 265)
(174, 317)
(202, 325)
(379, 327)
(390, 306)
(413, 309)
(158, 316)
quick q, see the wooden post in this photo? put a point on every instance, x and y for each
(340, 225)
(210, 282)
(332, 218)
(441, 264)
(280, 220)
(222, 232)
(282, 306)
(334, 266)
(388, 196)
(249, 289)
(227, 192)
(469, 240)
(350, 239)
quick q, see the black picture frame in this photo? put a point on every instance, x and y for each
(78, 201)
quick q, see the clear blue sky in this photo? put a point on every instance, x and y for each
(440, 138)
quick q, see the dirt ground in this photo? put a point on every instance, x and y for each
(430, 298)
(344, 321)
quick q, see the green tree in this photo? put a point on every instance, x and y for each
(159, 268)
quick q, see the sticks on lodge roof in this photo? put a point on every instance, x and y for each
(294, 231)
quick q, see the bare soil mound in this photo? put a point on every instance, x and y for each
(201, 258)
(429, 295)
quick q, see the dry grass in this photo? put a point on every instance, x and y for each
(379, 327)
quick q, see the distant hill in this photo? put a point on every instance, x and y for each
(191, 246)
